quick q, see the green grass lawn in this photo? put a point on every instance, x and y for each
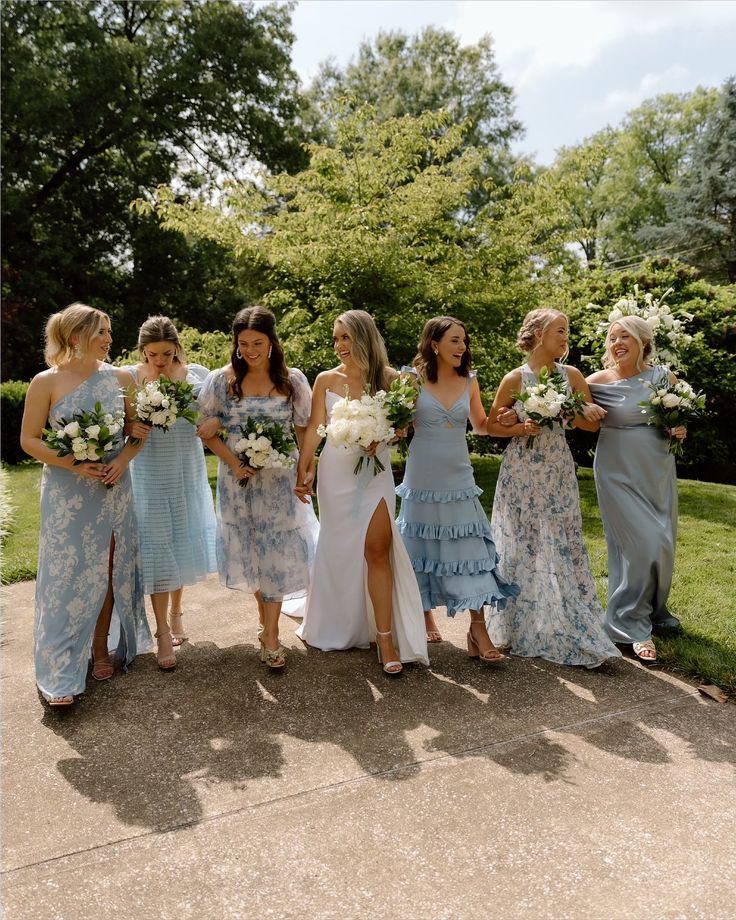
(702, 595)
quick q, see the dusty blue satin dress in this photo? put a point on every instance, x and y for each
(442, 523)
(637, 493)
(79, 517)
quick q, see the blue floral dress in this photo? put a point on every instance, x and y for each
(79, 517)
(538, 530)
(173, 504)
(265, 535)
(443, 525)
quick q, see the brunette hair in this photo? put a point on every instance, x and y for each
(640, 330)
(434, 330)
(160, 329)
(75, 320)
(536, 322)
(368, 348)
(259, 319)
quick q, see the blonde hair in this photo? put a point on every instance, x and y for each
(160, 329)
(537, 321)
(368, 348)
(75, 320)
(640, 330)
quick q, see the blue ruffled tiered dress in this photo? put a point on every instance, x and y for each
(442, 523)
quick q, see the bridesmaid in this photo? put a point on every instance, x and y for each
(636, 481)
(88, 545)
(444, 527)
(536, 517)
(265, 537)
(359, 546)
(173, 500)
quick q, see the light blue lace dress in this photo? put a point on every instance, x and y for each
(443, 525)
(637, 492)
(173, 504)
(265, 535)
(538, 530)
(79, 517)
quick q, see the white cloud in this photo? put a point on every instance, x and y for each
(621, 100)
(535, 38)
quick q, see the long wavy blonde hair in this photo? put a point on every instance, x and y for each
(75, 321)
(368, 348)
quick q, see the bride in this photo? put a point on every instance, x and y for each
(350, 603)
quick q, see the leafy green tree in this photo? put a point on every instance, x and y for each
(102, 102)
(701, 208)
(371, 223)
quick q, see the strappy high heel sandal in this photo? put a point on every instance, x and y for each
(490, 656)
(389, 667)
(165, 662)
(102, 668)
(275, 659)
(177, 634)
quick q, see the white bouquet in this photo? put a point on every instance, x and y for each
(160, 403)
(549, 402)
(87, 436)
(264, 446)
(356, 424)
(667, 327)
(671, 405)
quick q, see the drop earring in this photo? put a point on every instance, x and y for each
(237, 354)
(270, 349)
(77, 350)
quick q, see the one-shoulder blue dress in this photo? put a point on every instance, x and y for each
(79, 517)
(444, 527)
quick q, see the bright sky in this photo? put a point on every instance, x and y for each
(575, 65)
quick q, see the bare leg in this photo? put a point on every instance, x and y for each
(175, 614)
(165, 655)
(270, 635)
(381, 578)
(430, 627)
(102, 668)
(261, 613)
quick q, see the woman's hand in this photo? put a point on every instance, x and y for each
(91, 470)
(370, 451)
(399, 434)
(303, 488)
(114, 470)
(531, 427)
(593, 412)
(208, 428)
(680, 432)
(507, 417)
(242, 472)
(138, 430)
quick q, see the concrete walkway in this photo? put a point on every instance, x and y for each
(331, 791)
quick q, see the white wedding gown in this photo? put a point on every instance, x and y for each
(339, 613)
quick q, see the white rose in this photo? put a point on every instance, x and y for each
(164, 403)
(108, 419)
(93, 431)
(614, 315)
(108, 447)
(79, 445)
(156, 398)
(158, 418)
(92, 454)
(72, 429)
(80, 455)
(656, 400)
(670, 400)
(262, 444)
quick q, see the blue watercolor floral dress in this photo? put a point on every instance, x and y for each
(79, 517)
(538, 530)
(173, 503)
(265, 536)
(442, 523)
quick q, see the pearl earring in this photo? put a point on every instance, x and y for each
(77, 350)
(237, 354)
